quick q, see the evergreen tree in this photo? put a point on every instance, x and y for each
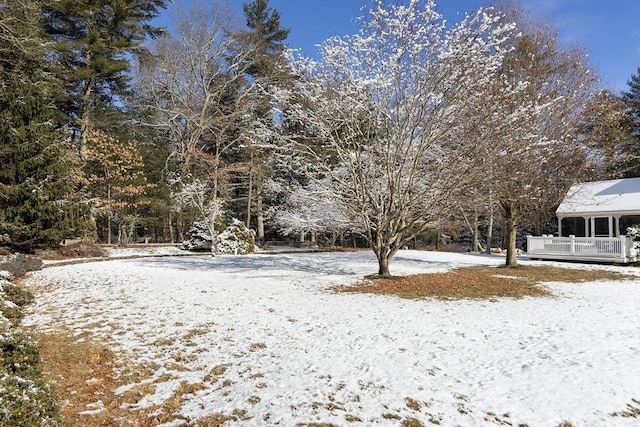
(262, 46)
(264, 42)
(33, 184)
(606, 130)
(94, 41)
(632, 101)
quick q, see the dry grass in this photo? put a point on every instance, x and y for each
(83, 374)
(480, 282)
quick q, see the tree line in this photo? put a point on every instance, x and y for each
(114, 129)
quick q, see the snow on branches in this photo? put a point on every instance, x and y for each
(198, 194)
(377, 117)
(306, 209)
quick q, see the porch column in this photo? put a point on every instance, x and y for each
(559, 226)
(617, 225)
(611, 232)
(592, 226)
(586, 226)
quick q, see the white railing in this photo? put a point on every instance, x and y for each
(583, 247)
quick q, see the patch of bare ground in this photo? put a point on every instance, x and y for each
(480, 282)
(73, 250)
(85, 375)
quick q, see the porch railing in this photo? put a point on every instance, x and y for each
(586, 247)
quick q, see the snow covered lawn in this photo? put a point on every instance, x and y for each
(263, 334)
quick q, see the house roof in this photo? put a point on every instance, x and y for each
(617, 196)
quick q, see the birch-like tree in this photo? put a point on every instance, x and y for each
(379, 116)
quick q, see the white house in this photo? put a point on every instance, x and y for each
(592, 224)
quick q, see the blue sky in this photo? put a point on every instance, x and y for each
(609, 30)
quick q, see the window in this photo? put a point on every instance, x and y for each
(573, 226)
(628, 221)
(601, 227)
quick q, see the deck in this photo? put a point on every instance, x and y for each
(597, 249)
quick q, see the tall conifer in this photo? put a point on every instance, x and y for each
(94, 41)
(33, 186)
(632, 99)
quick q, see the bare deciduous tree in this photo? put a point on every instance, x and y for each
(196, 90)
(380, 116)
(538, 156)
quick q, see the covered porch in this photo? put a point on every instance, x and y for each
(592, 224)
(598, 249)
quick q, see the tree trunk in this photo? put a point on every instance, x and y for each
(383, 264)
(214, 242)
(109, 216)
(171, 232)
(383, 252)
(490, 230)
(84, 121)
(259, 214)
(249, 191)
(510, 225)
(476, 243)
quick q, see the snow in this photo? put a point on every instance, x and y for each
(296, 352)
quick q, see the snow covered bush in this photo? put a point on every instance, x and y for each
(25, 399)
(198, 238)
(12, 299)
(634, 231)
(236, 239)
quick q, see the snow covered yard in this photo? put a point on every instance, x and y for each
(264, 338)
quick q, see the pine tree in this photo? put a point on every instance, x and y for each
(94, 41)
(33, 186)
(632, 100)
(262, 46)
(264, 42)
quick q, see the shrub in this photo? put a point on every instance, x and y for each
(25, 399)
(634, 231)
(12, 298)
(27, 402)
(81, 250)
(198, 238)
(17, 295)
(236, 239)
(20, 354)
(19, 264)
